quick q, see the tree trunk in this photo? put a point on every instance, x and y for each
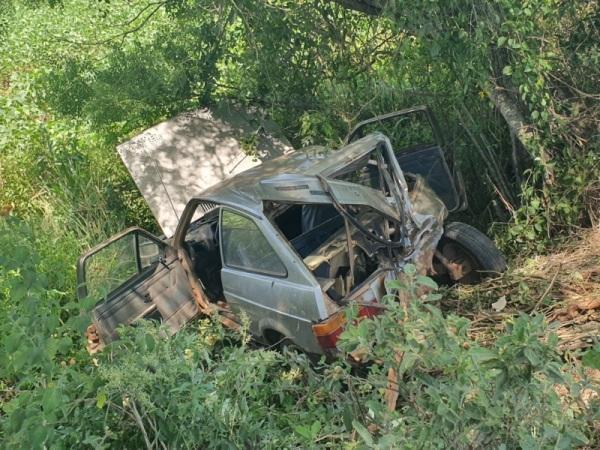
(511, 113)
(522, 130)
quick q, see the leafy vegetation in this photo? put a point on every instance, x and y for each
(206, 387)
(78, 76)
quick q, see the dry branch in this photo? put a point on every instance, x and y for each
(565, 287)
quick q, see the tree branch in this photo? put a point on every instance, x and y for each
(124, 34)
(523, 130)
(369, 7)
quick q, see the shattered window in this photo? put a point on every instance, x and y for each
(245, 247)
(403, 131)
(364, 173)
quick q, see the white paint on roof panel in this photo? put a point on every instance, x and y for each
(178, 159)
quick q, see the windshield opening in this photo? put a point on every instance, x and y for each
(305, 226)
(338, 255)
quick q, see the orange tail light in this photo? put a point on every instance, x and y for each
(328, 331)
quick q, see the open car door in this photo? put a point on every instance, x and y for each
(134, 275)
(420, 150)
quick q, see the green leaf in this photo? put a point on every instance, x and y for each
(12, 342)
(64, 344)
(347, 417)
(101, 400)
(87, 304)
(554, 373)
(410, 269)
(304, 431)
(501, 379)
(150, 342)
(395, 284)
(563, 442)
(363, 432)
(315, 428)
(591, 358)
(501, 41)
(79, 322)
(531, 356)
(50, 399)
(18, 292)
(513, 44)
(21, 358)
(528, 442)
(507, 70)
(434, 297)
(427, 282)
(577, 436)
(481, 355)
(408, 362)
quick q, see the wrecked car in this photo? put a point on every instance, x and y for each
(291, 242)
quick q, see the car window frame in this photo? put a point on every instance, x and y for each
(82, 290)
(421, 109)
(283, 275)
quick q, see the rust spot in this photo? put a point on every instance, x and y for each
(94, 345)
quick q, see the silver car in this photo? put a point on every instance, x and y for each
(293, 241)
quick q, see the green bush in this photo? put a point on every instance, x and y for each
(206, 387)
(456, 393)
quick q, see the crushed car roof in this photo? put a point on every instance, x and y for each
(289, 177)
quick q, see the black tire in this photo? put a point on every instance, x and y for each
(485, 258)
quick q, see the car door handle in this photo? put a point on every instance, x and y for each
(163, 262)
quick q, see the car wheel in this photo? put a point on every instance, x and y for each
(465, 255)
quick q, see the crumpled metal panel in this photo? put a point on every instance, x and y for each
(428, 212)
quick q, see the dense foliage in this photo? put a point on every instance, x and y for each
(206, 387)
(78, 76)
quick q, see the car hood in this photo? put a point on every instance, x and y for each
(179, 158)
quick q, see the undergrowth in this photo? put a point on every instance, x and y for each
(206, 387)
